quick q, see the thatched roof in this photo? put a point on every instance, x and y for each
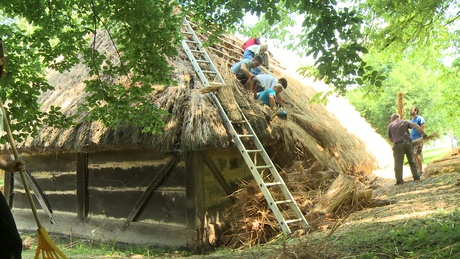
(193, 122)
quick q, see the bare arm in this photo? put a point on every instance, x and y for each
(246, 71)
(272, 102)
(12, 166)
(280, 100)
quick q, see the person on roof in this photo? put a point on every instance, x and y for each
(255, 50)
(242, 71)
(250, 42)
(255, 42)
(266, 81)
(268, 97)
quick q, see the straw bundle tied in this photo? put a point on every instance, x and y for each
(424, 140)
(253, 222)
(341, 191)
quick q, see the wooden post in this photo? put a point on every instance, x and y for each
(401, 105)
(194, 192)
(82, 186)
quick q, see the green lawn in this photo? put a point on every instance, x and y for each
(436, 153)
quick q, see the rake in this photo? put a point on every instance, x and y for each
(46, 248)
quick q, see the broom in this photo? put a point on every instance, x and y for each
(45, 247)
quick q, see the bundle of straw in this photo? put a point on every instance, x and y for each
(423, 140)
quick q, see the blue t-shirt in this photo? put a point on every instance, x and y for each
(414, 134)
(264, 96)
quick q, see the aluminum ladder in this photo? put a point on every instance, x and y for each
(281, 203)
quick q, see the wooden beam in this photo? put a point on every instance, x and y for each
(195, 207)
(150, 188)
(82, 186)
(217, 174)
(401, 105)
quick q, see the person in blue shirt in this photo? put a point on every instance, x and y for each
(415, 134)
(268, 98)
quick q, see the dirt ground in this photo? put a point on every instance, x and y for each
(411, 199)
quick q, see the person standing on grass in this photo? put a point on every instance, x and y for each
(398, 133)
(415, 134)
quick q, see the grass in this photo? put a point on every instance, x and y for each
(85, 248)
(435, 236)
(436, 153)
(433, 154)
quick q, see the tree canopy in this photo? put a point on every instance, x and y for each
(57, 34)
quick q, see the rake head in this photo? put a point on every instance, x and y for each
(46, 248)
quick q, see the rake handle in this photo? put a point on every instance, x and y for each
(21, 172)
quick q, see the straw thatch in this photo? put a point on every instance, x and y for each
(193, 121)
(449, 163)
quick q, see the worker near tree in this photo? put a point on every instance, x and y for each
(242, 71)
(398, 133)
(415, 134)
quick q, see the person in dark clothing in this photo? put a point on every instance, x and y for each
(398, 133)
(10, 240)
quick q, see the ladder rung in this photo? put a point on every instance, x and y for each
(293, 221)
(197, 51)
(209, 72)
(187, 32)
(191, 41)
(202, 61)
(273, 184)
(263, 166)
(215, 83)
(254, 151)
(246, 136)
(238, 122)
(282, 202)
